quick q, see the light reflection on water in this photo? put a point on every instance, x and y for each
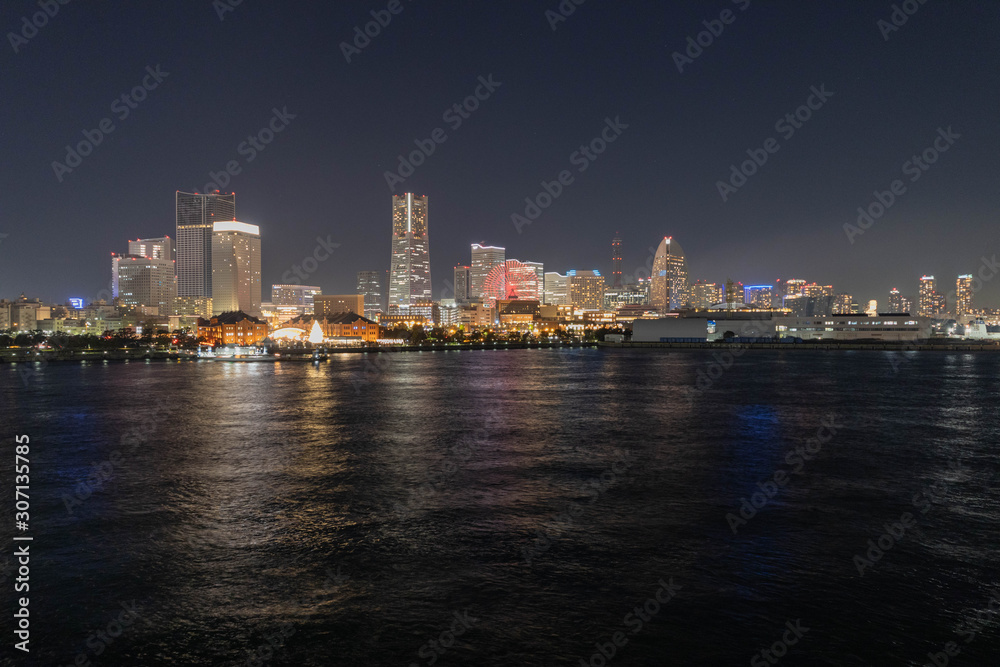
(423, 483)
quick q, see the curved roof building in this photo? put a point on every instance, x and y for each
(670, 276)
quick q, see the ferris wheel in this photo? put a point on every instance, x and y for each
(510, 280)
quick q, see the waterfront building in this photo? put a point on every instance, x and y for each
(669, 276)
(340, 325)
(236, 272)
(232, 328)
(410, 265)
(196, 215)
(758, 296)
(704, 294)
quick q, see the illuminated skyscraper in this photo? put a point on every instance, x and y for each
(143, 282)
(898, 303)
(670, 276)
(236, 280)
(370, 285)
(556, 289)
(410, 272)
(843, 304)
(616, 261)
(484, 258)
(158, 248)
(195, 216)
(963, 295)
(926, 301)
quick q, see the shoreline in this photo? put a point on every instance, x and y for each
(29, 356)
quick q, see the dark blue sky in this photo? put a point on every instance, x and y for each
(323, 175)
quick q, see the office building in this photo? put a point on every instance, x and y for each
(963, 295)
(332, 304)
(143, 283)
(236, 277)
(670, 277)
(196, 215)
(462, 285)
(616, 261)
(556, 289)
(539, 268)
(410, 266)
(843, 304)
(158, 248)
(370, 287)
(586, 289)
(484, 258)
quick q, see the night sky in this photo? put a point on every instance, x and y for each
(323, 174)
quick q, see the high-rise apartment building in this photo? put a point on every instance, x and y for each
(586, 289)
(539, 268)
(843, 304)
(370, 286)
(899, 304)
(963, 295)
(484, 258)
(410, 272)
(462, 275)
(616, 261)
(236, 278)
(196, 215)
(670, 276)
(926, 297)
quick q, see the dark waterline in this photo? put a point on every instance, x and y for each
(251, 499)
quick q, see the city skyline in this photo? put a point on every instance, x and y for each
(302, 160)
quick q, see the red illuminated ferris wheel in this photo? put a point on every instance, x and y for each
(510, 280)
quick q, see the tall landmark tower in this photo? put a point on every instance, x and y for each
(410, 273)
